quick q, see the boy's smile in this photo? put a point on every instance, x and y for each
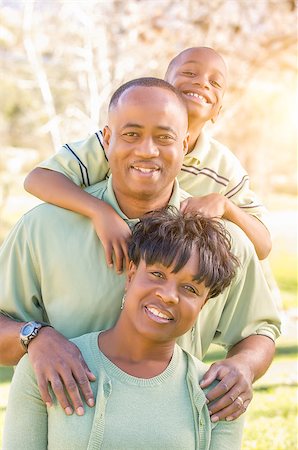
(200, 75)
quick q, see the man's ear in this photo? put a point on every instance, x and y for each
(106, 138)
(214, 119)
(132, 268)
(185, 144)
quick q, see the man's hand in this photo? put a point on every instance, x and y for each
(113, 233)
(211, 205)
(232, 395)
(58, 362)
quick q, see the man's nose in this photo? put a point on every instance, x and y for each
(147, 149)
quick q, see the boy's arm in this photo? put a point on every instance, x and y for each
(54, 187)
(217, 205)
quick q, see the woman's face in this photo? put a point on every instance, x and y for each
(161, 304)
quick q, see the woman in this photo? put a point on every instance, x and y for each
(147, 388)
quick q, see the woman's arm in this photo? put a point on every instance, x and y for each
(26, 420)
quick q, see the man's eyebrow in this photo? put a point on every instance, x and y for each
(132, 125)
(164, 128)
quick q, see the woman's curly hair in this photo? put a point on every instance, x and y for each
(168, 236)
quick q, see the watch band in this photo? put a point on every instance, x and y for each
(29, 331)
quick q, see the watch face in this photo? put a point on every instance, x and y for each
(27, 329)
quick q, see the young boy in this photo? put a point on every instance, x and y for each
(211, 172)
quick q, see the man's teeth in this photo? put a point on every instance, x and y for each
(193, 94)
(157, 313)
(143, 170)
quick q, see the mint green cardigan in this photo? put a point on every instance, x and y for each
(30, 426)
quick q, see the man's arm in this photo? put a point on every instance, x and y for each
(217, 205)
(245, 363)
(54, 359)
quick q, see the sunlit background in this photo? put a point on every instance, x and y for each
(60, 62)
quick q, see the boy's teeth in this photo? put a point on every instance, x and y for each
(193, 94)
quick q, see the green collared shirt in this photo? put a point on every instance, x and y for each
(53, 269)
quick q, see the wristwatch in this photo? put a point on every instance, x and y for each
(29, 331)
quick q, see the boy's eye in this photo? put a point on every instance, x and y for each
(188, 73)
(215, 83)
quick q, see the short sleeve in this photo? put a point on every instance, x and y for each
(20, 291)
(83, 162)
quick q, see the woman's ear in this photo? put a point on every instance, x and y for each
(132, 268)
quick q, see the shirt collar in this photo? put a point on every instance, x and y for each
(201, 148)
(109, 197)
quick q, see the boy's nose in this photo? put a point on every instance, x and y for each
(202, 81)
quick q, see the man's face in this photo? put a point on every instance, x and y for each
(145, 142)
(200, 75)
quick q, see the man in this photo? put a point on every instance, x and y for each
(54, 267)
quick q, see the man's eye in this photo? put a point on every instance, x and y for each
(165, 137)
(130, 134)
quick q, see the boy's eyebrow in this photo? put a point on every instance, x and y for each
(196, 62)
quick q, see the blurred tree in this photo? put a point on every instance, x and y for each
(61, 61)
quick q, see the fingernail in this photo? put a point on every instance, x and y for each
(214, 419)
(68, 411)
(90, 402)
(48, 404)
(229, 418)
(80, 411)
(207, 401)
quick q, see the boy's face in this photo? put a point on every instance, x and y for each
(200, 75)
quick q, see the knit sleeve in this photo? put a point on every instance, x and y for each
(26, 415)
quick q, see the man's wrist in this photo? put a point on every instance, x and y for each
(29, 331)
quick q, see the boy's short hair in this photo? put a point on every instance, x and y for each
(146, 82)
(168, 237)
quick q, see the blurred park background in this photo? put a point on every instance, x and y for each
(61, 60)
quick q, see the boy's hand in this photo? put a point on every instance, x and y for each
(232, 395)
(58, 362)
(211, 205)
(113, 233)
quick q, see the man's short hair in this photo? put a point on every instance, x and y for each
(168, 237)
(145, 82)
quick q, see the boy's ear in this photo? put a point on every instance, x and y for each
(106, 138)
(185, 144)
(213, 120)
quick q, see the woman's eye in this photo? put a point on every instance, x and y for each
(190, 289)
(157, 274)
